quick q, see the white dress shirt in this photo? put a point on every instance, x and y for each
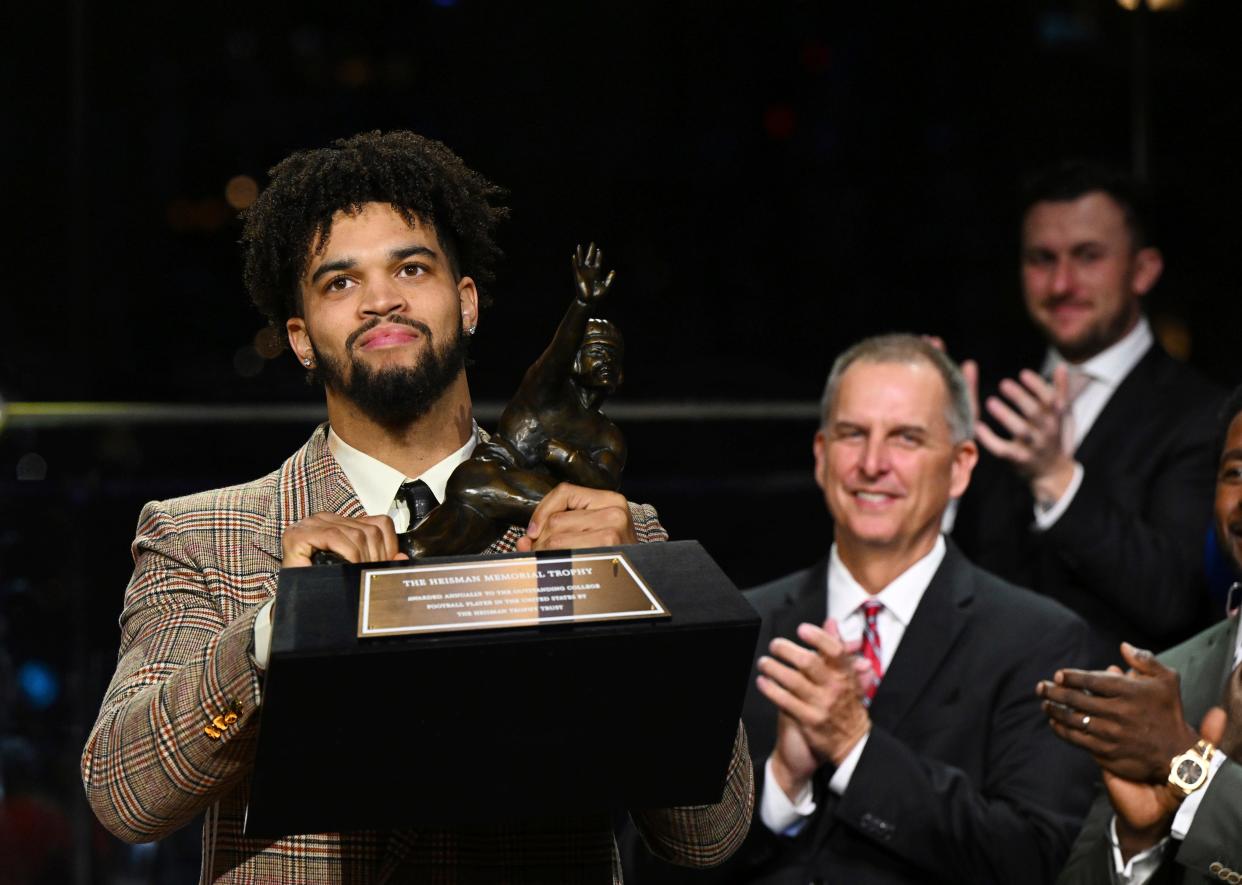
(845, 595)
(376, 485)
(1104, 373)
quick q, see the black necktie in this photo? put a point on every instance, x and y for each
(419, 500)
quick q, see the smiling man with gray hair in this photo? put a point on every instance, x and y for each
(891, 713)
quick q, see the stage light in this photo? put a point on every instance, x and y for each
(780, 121)
(816, 57)
(38, 684)
(213, 214)
(241, 191)
(268, 343)
(1153, 5)
(180, 215)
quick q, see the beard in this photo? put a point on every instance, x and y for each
(1092, 341)
(1095, 338)
(396, 397)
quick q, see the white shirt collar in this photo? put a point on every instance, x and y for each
(900, 598)
(1111, 365)
(376, 483)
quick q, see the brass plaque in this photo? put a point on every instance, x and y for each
(519, 592)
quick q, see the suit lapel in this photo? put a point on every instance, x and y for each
(1214, 659)
(1130, 398)
(941, 615)
(310, 481)
(808, 603)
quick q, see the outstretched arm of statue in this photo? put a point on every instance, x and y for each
(555, 364)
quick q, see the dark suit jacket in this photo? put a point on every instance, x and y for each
(961, 779)
(1215, 837)
(1128, 553)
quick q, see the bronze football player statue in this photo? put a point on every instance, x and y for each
(551, 431)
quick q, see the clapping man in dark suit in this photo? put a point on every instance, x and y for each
(891, 711)
(1171, 759)
(1095, 487)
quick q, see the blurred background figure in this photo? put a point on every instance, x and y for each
(1097, 485)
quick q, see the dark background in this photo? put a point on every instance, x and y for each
(771, 180)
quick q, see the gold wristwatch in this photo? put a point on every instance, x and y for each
(1188, 771)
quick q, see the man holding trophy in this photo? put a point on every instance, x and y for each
(371, 255)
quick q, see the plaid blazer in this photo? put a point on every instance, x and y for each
(176, 732)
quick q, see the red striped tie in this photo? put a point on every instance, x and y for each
(871, 643)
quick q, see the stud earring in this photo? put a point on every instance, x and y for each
(306, 361)
(470, 331)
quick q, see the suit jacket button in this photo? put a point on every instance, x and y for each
(874, 826)
(230, 718)
(218, 722)
(211, 733)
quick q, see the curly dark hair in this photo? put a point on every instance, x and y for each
(420, 177)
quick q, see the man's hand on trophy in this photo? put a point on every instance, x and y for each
(365, 539)
(587, 273)
(571, 517)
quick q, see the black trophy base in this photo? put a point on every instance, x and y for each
(489, 726)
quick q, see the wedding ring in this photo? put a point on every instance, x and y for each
(1086, 720)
